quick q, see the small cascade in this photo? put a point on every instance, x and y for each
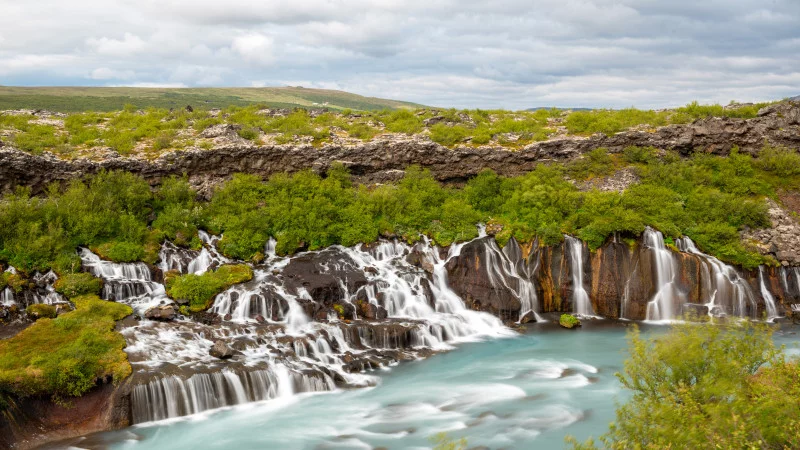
(173, 396)
(581, 304)
(769, 300)
(130, 283)
(7, 297)
(269, 249)
(191, 261)
(506, 268)
(45, 291)
(662, 306)
(729, 293)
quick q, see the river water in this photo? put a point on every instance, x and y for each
(528, 391)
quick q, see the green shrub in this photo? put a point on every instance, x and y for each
(569, 321)
(639, 155)
(596, 163)
(248, 133)
(66, 356)
(41, 311)
(448, 135)
(728, 381)
(77, 284)
(200, 290)
(781, 161)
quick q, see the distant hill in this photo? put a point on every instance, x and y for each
(71, 99)
(556, 107)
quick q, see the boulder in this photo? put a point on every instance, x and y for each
(162, 312)
(221, 350)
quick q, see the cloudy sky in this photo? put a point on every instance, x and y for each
(462, 53)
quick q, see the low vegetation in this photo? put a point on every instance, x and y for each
(199, 290)
(151, 131)
(41, 311)
(68, 355)
(728, 381)
(569, 321)
(77, 284)
(708, 198)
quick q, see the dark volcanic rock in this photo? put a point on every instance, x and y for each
(323, 275)
(471, 278)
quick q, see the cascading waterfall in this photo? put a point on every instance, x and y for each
(662, 305)
(173, 396)
(581, 304)
(769, 300)
(284, 352)
(130, 283)
(729, 293)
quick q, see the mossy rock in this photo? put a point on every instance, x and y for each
(76, 284)
(41, 311)
(569, 321)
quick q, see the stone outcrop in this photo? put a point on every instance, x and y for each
(384, 159)
(782, 240)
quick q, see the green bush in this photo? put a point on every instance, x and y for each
(639, 155)
(200, 290)
(41, 311)
(780, 161)
(448, 135)
(248, 133)
(728, 381)
(66, 356)
(569, 321)
(77, 284)
(596, 163)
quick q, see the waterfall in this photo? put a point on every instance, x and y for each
(729, 292)
(503, 271)
(581, 304)
(769, 300)
(281, 351)
(662, 305)
(7, 297)
(173, 396)
(130, 283)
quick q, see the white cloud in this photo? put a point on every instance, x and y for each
(104, 73)
(254, 48)
(466, 53)
(128, 45)
(150, 85)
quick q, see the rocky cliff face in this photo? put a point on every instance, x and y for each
(385, 159)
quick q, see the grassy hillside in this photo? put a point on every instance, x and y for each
(74, 99)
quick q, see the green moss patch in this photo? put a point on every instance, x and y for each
(200, 290)
(66, 356)
(569, 321)
(76, 284)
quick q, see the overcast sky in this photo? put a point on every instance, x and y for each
(461, 53)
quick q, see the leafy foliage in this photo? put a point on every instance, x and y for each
(728, 381)
(66, 356)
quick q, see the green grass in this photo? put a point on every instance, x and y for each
(200, 290)
(79, 99)
(66, 356)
